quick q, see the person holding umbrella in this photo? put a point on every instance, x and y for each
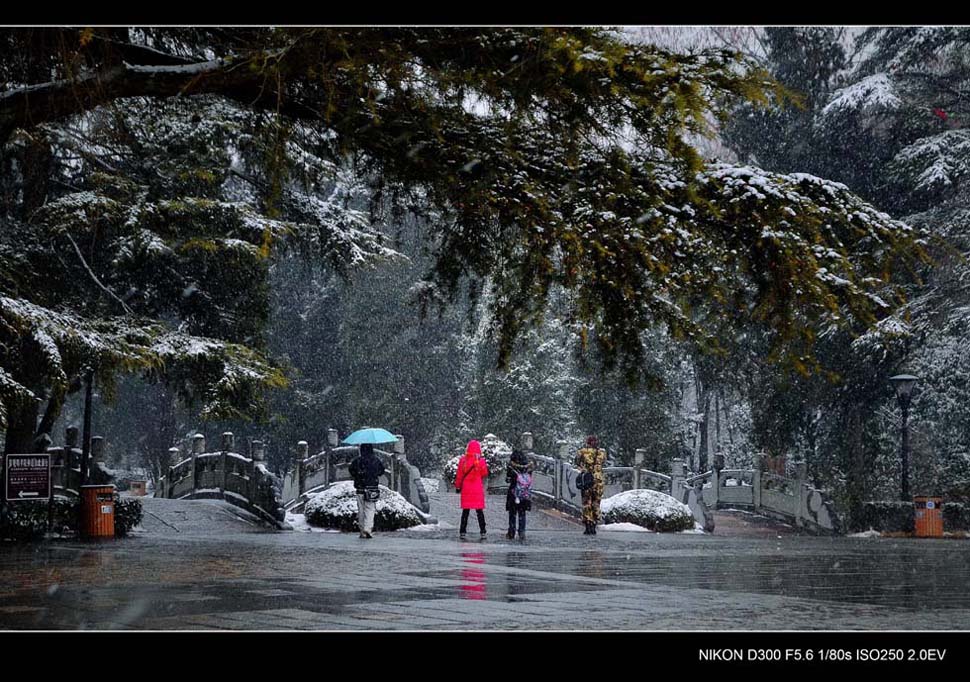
(472, 469)
(366, 471)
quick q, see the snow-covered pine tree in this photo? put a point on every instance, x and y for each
(554, 157)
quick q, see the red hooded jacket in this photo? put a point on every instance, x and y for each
(471, 470)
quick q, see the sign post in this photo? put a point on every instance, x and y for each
(27, 477)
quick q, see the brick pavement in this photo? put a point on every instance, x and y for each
(557, 580)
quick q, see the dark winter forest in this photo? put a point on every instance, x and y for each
(694, 241)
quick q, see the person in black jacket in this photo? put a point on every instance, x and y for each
(517, 505)
(366, 471)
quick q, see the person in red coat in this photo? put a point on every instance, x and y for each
(472, 469)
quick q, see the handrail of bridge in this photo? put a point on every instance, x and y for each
(228, 475)
(789, 499)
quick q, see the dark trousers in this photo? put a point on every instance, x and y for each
(521, 514)
(464, 520)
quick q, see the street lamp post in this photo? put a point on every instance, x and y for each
(903, 383)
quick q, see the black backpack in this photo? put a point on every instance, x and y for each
(584, 481)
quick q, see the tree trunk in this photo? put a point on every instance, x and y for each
(703, 428)
(38, 158)
(53, 410)
(856, 465)
(21, 426)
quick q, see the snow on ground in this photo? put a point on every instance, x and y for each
(866, 534)
(623, 527)
(298, 522)
(431, 485)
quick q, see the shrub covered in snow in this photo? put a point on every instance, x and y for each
(128, 514)
(450, 470)
(900, 517)
(891, 517)
(28, 520)
(336, 507)
(956, 516)
(648, 508)
(496, 452)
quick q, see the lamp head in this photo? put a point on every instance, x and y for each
(903, 383)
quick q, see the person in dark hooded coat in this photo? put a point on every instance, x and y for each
(366, 471)
(515, 503)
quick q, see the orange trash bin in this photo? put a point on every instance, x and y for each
(929, 517)
(97, 511)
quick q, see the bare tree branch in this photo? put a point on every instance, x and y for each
(95, 277)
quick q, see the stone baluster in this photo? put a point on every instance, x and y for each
(174, 457)
(71, 435)
(759, 463)
(302, 452)
(678, 473)
(716, 478)
(97, 448)
(198, 447)
(561, 455)
(259, 455)
(527, 443)
(639, 458)
(227, 442)
(333, 439)
(397, 463)
(801, 474)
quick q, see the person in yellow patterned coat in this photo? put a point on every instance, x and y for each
(591, 459)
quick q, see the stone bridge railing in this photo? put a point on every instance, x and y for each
(66, 464)
(789, 499)
(228, 475)
(318, 472)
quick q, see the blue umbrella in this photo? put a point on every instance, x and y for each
(374, 436)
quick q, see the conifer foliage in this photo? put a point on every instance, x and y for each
(149, 175)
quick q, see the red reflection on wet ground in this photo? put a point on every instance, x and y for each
(473, 580)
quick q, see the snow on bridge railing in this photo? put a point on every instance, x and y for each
(791, 499)
(226, 474)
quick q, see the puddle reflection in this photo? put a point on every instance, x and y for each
(473, 581)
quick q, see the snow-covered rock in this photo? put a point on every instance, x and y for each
(648, 508)
(431, 485)
(336, 507)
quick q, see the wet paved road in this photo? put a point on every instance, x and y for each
(428, 580)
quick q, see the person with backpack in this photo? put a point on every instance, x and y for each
(366, 471)
(590, 481)
(518, 500)
(472, 470)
